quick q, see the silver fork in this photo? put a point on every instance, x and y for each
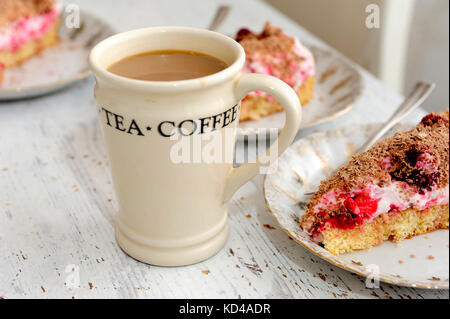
(419, 93)
(219, 18)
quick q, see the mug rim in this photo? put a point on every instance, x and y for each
(165, 86)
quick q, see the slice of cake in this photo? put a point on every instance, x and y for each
(26, 27)
(396, 190)
(275, 53)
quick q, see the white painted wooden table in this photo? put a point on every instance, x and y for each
(57, 205)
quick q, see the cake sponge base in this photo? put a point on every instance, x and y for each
(391, 226)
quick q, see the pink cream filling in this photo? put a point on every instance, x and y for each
(389, 198)
(257, 63)
(27, 28)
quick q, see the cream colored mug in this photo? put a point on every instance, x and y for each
(173, 213)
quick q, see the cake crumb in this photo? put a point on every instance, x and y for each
(430, 257)
(435, 278)
(206, 272)
(268, 226)
(412, 256)
(90, 285)
(400, 261)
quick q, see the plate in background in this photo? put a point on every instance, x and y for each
(338, 87)
(422, 261)
(59, 65)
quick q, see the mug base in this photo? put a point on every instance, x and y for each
(182, 256)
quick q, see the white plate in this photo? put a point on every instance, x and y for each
(338, 87)
(57, 66)
(422, 261)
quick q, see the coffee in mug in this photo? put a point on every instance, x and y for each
(167, 65)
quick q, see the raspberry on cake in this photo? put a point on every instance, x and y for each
(26, 27)
(396, 190)
(275, 53)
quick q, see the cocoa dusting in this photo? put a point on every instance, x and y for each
(340, 85)
(329, 72)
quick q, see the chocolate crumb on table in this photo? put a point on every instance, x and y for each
(435, 278)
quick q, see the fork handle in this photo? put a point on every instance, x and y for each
(413, 100)
(219, 18)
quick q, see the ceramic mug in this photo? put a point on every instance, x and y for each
(174, 213)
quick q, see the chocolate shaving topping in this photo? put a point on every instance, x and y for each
(13, 10)
(271, 42)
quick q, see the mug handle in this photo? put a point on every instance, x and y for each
(290, 101)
